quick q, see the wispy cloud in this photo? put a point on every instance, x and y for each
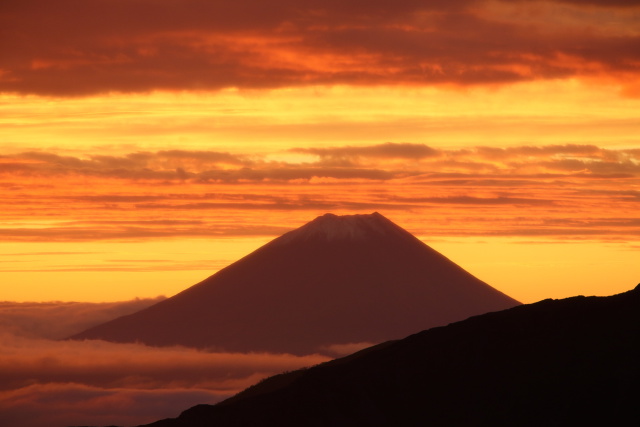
(372, 162)
(349, 155)
(163, 194)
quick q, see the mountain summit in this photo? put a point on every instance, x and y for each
(330, 286)
(347, 227)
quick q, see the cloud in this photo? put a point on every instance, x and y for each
(381, 162)
(141, 196)
(56, 320)
(66, 404)
(522, 160)
(109, 365)
(467, 200)
(160, 165)
(604, 3)
(176, 166)
(340, 350)
(74, 49)
(44, 382)
(350, 155)
(569, 158)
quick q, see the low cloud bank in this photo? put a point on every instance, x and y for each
(51, 383)
(56, 320)
(68, 404)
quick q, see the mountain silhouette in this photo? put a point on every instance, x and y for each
(553, 363)
(334, 282)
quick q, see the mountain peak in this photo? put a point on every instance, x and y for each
(331, 227)
(336, 281)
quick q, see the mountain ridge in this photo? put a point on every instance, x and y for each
(555, 362)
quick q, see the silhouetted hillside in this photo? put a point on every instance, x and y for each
(565, 362)
(333, 282)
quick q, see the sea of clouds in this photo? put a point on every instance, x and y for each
(48, 381)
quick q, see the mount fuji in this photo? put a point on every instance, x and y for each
(331, 286)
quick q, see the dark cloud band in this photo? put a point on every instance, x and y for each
(74, 48)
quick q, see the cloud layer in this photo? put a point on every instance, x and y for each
(74, 48)
(50, 383)
(565, 191)
(382, 162)
(57, 320)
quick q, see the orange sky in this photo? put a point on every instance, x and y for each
(146, 144)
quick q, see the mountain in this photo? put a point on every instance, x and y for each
(553, 363)
(336, 283)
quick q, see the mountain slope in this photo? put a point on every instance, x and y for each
(335, 281)
(552, 363)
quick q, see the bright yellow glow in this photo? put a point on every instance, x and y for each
(528, 271)
(548, 112)
(533, 270)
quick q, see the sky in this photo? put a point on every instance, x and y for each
(145, 144)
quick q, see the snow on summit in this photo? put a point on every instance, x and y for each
(331, 227)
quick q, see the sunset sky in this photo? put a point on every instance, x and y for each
(146, 144)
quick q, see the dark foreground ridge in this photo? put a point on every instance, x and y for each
(574, 361)
(332, 283)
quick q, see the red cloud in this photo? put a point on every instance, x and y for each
(72, 48)
(56, 320)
